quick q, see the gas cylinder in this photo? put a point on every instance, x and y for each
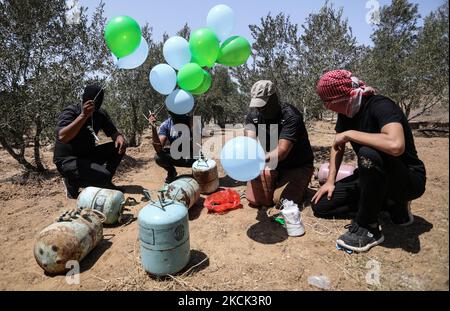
(164, 236)
(72, 237)
(206, 174)
(109, 202)
(185, 190)
(345, 171)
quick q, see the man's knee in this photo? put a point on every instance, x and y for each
(369, 158)
(323, 208)
(260, 192)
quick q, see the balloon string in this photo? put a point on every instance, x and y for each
(103, 86)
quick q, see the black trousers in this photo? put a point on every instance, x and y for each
(379, 178)
(96, 170)
(165, 160)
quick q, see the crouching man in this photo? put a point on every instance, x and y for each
(389, 175)
(280, 129)
(166, 136)
(76, 156)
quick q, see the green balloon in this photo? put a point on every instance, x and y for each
(234, 51)
(205, 86)
(190, 77)
(205, 47)
(123, 36)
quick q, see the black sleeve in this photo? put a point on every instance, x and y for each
(291, 128)
(65, 118)
(107, 125)
(249, 122)
(385, 112)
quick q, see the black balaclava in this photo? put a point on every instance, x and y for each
(92, 92)
(272, 109)
(180, 118)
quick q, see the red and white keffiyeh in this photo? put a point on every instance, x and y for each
(341, 92)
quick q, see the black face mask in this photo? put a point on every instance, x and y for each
(180, 119)
(272, 109)
(94, 92)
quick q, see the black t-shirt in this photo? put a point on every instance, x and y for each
(291, 127)
(376, 112)
(83, 144)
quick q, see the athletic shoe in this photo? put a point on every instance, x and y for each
(360, 239)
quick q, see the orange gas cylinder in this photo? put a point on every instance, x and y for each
(260, 190)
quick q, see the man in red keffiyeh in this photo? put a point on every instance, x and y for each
(389, 176)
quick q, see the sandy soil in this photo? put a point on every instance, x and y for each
(241, 250)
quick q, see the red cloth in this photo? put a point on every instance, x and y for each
(341, 91)
(223, 201)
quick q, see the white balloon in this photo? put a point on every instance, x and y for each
(243, 158)
(221, 20)
(134, 60)
(180, 102)
(163, 79)
(176, 52)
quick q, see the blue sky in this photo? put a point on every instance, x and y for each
(170, 15)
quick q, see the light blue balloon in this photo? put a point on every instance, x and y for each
(134, 60)
(243, 158)
(176, 52)
(221, 20)
(180, 102)
(163, 79)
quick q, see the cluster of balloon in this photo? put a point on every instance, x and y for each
(124, 39)
(188, 61)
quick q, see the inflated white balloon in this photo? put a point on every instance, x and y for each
(176, 52)
(180, 102)
(221, 20)
(136, 59)
(243, 158)
(163, 79)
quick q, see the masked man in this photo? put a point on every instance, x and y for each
(76, 156)
(168, 135)
(289, 155)
(389, 175)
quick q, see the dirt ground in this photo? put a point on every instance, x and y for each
(241, 250)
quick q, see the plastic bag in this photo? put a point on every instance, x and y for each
(223, 201)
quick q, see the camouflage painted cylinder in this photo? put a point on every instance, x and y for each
(185, 190)
(71, 238)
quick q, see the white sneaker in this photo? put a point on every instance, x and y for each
(293, 219)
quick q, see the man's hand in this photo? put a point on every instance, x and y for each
(327, 188)
(152, 120)
(88, 109)
(339, 141)
(121, 144)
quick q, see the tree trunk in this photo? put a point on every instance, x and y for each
(37, 145)
(18, 157)
(135, 125)
(132, 140)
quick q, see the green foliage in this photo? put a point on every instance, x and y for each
(294, 62)
(410, 63)
(46, 62)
